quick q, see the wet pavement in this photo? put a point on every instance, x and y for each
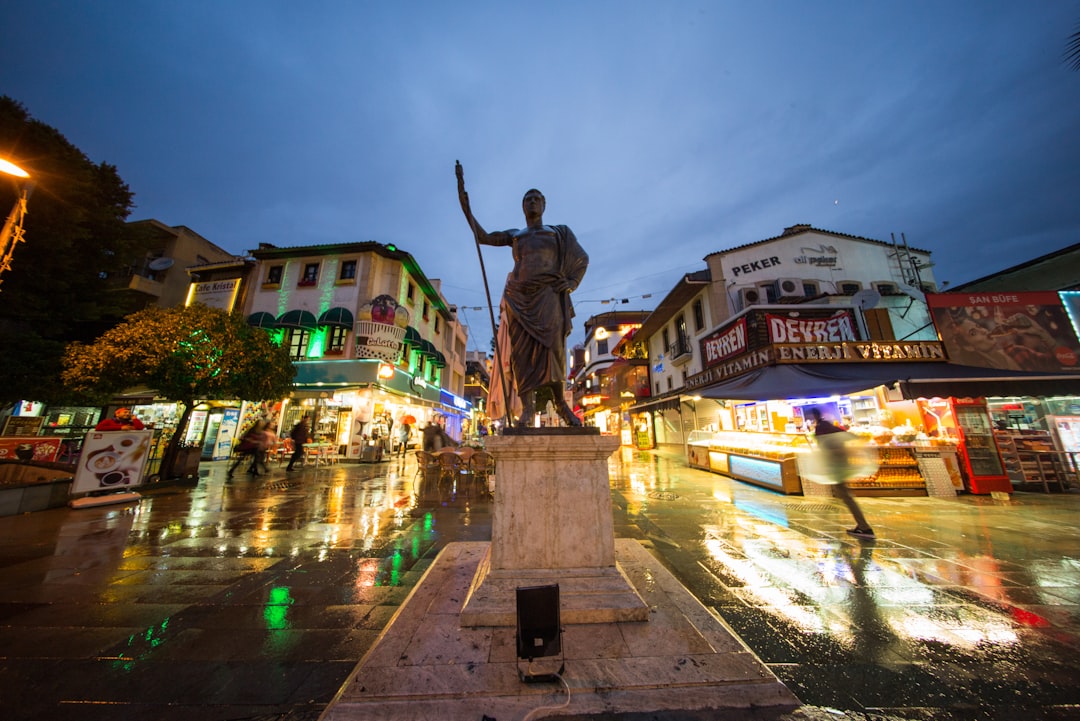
(254, 598)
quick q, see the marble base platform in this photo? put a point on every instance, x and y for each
(426, 665)
(551, 523)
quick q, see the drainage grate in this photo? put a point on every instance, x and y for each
(809, 507)
(663, 495)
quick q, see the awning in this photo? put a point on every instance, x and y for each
(337, 316)
(297, 319)
(262, 320)
(427, 348)
(915, 380)
(438, 360)
(671, 403)
(412, 337)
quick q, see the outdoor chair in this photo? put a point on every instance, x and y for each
(426, 463)
(450, 466)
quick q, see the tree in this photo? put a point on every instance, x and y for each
(66, 281)
(184, 354)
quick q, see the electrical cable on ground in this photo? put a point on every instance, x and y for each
(532, 714)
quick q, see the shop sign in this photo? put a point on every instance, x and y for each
(859, 351)
(840, 327)
(755, 265)
(215, 294)
(724, 343)
(823, 256)
(34, 448)
(593, 400)
(1009, 331)
(729, 369)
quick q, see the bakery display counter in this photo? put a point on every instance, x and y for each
(764, 459)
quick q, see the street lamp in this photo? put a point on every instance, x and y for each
(13, 226)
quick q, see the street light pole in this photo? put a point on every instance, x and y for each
(13, 226)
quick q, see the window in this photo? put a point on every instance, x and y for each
(665, 340)
(310, 275)
(426, 307)
(810, 289)
(348, 270)
(298, 342)
(699, 316)
(273, 274)
(601, 347)
(436, 324)
(335, 339)
(886, 288)
(410, 293)
(657, 387)
(669, 383)
(770, 292)
(849, 288)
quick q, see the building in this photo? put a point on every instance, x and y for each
(161, 277)
(1056, 271)
(603, 383)
(373, 338)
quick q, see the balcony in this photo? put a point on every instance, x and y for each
(680, 352)
(142, 284)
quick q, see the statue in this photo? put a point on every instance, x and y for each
(536, 310)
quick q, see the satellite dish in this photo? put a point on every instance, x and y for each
(866, 299)
(161, 263)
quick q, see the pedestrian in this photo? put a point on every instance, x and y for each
(122, 420)
(300, 435)
(833, 445)
(435, 438)
(252, 446)
(403, 433)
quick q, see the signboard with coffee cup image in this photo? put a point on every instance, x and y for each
(29, 448)
(112, 461)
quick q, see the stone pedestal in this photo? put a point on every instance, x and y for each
(552, 524)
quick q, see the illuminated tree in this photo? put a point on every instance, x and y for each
(187, 355)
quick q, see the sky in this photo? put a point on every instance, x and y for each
(658, 131)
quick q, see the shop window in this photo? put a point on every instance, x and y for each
(273, 274)
(297, 343)
(699, 316)
(348, 270)
(310, 276)
(335, 339)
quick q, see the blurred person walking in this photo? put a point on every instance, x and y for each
(835, 446)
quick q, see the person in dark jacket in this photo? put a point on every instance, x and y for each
(299, 435)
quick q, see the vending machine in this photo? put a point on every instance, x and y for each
(968, 421)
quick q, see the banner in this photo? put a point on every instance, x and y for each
(724, 344)
(1009, 331)
(33, 448)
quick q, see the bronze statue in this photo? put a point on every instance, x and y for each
(536, 309)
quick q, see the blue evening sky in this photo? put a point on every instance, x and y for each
(659, 131)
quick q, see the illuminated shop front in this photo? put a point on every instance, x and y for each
(764, 371)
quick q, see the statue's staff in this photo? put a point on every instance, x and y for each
(464, 198)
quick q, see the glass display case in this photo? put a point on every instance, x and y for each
(764, 459)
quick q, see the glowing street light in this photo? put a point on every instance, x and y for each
(13, 226)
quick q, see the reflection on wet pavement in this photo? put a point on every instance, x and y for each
(966, 603)
(254, 598)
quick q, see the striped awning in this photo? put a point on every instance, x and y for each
(298, 319)
(262, 320)
(337, 316)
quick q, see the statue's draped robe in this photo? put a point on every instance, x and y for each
(534, 323)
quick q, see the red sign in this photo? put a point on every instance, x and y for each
(724, 343)
(32, 448)
(1009, 331)
(838, 328)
